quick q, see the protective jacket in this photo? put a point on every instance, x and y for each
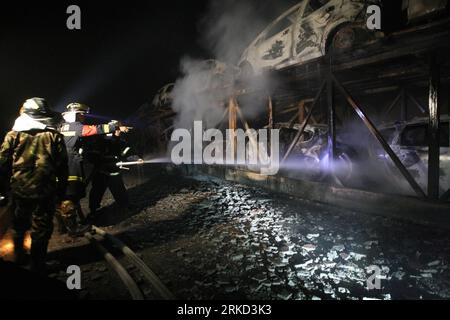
(74, 134)
(33, 160)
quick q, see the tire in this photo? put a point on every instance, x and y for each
(346, 167)
(344, 39)
(347, 37)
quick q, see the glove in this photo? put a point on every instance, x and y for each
(124, 129)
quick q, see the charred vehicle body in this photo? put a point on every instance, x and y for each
(313, 28)
(306, 31)
(309, 158)
(409, 140)
(163, 98)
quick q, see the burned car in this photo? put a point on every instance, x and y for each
(164, 96)
(309, 159)
(306, 31)
(409, 140)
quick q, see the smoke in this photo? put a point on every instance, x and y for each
(230, 26)
(195, 98)
(226, 30)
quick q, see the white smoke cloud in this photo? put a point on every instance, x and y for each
(195, 98)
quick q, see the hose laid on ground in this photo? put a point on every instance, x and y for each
(131, 285)
(151, 277)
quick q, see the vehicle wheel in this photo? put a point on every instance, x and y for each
(348, 37)
(345, 168)
(344, 39)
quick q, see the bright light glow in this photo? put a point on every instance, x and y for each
(7, 245)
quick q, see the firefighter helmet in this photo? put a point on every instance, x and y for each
(36, 108)
(39, 110)
(78, 108)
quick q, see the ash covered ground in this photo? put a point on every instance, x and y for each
(210, 239)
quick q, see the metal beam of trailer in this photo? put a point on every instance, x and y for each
(374, 131)
(396, 60)
(399, 61)
(434, 148)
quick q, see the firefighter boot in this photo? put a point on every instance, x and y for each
(68, 211)
(38, 255)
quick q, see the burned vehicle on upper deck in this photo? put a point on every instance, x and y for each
(306, 31)
(164, 97)
(409, 140)
(313, 28)
(309, 158)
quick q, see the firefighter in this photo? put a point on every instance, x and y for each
(33, 163)
(75, 131)
(107, 175)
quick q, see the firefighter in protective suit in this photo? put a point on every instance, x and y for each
(33, 165)
(106, 175)
(75, 131)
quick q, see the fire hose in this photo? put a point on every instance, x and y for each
(151, 277)
(124, 165)
(131, 285)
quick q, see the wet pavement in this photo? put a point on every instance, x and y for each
(209, 239)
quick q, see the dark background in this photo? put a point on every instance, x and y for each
(122, 55)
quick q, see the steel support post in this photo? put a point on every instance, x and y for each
(434, 130)
(301, 111)
(270, 111)
(302, 129)
(374, 131)
(232, 125)
(331, 119)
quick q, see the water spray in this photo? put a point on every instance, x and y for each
(125, 165)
